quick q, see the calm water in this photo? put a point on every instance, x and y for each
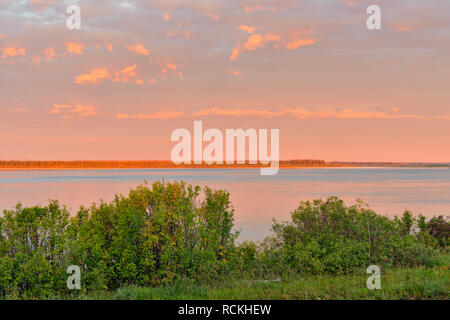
(256, 199)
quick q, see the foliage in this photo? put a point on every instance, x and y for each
(326, 237)
(150, 237)
(32, 250)
(173, 234)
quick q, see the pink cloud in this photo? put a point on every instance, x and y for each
(233, 72)
(83, 110)
(50, 54)
(166, 16)
(246, 28)
(306, 114)
(253, 8)
(157, 115)
(57, 108)
(73, 111)
(253, 42)
(295, 44)
(290, 41)
(74, 48)
(212, 16)
(403, 28)
(36, 60)
(13, 52)
(125, 74)
(173, 67)
(96, 76)
(139, 49)
(352, 3)
(178, 34)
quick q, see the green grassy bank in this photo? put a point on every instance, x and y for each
(412, 283)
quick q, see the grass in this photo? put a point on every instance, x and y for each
(416, 283)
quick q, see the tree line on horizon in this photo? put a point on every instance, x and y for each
(26, 164)
(148, 164)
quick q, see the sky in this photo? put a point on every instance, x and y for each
(137, 70)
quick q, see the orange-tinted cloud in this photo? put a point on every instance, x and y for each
(295, 44)
(246, 28)
(235, 112)
(254, 42)
(73, 111)
(258, 41)
(212, 16)
(403, 28)
(289, 41)
(50, 54)
(125, 74)
(13, 52)
(172, 67)
(253, 8)
(166, 16)
(157, 115)
(351, 114)
(139, 49)
(36, 60)
(306, 114)
(83, 110)
(42, 5)
(96, 76)
(175, 34)
(233, 72)
(352, 3)
(74, 48)
(299, 38)
(57, 108)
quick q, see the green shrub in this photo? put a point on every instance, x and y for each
(174, 234)
(326, 237)
(33, 253)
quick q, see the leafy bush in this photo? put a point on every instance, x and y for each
(328, 237)
(153, 236)
(150, 237)
(175, 233)
(32, 250)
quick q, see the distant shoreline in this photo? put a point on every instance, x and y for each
(115, 165)
(166, 164)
